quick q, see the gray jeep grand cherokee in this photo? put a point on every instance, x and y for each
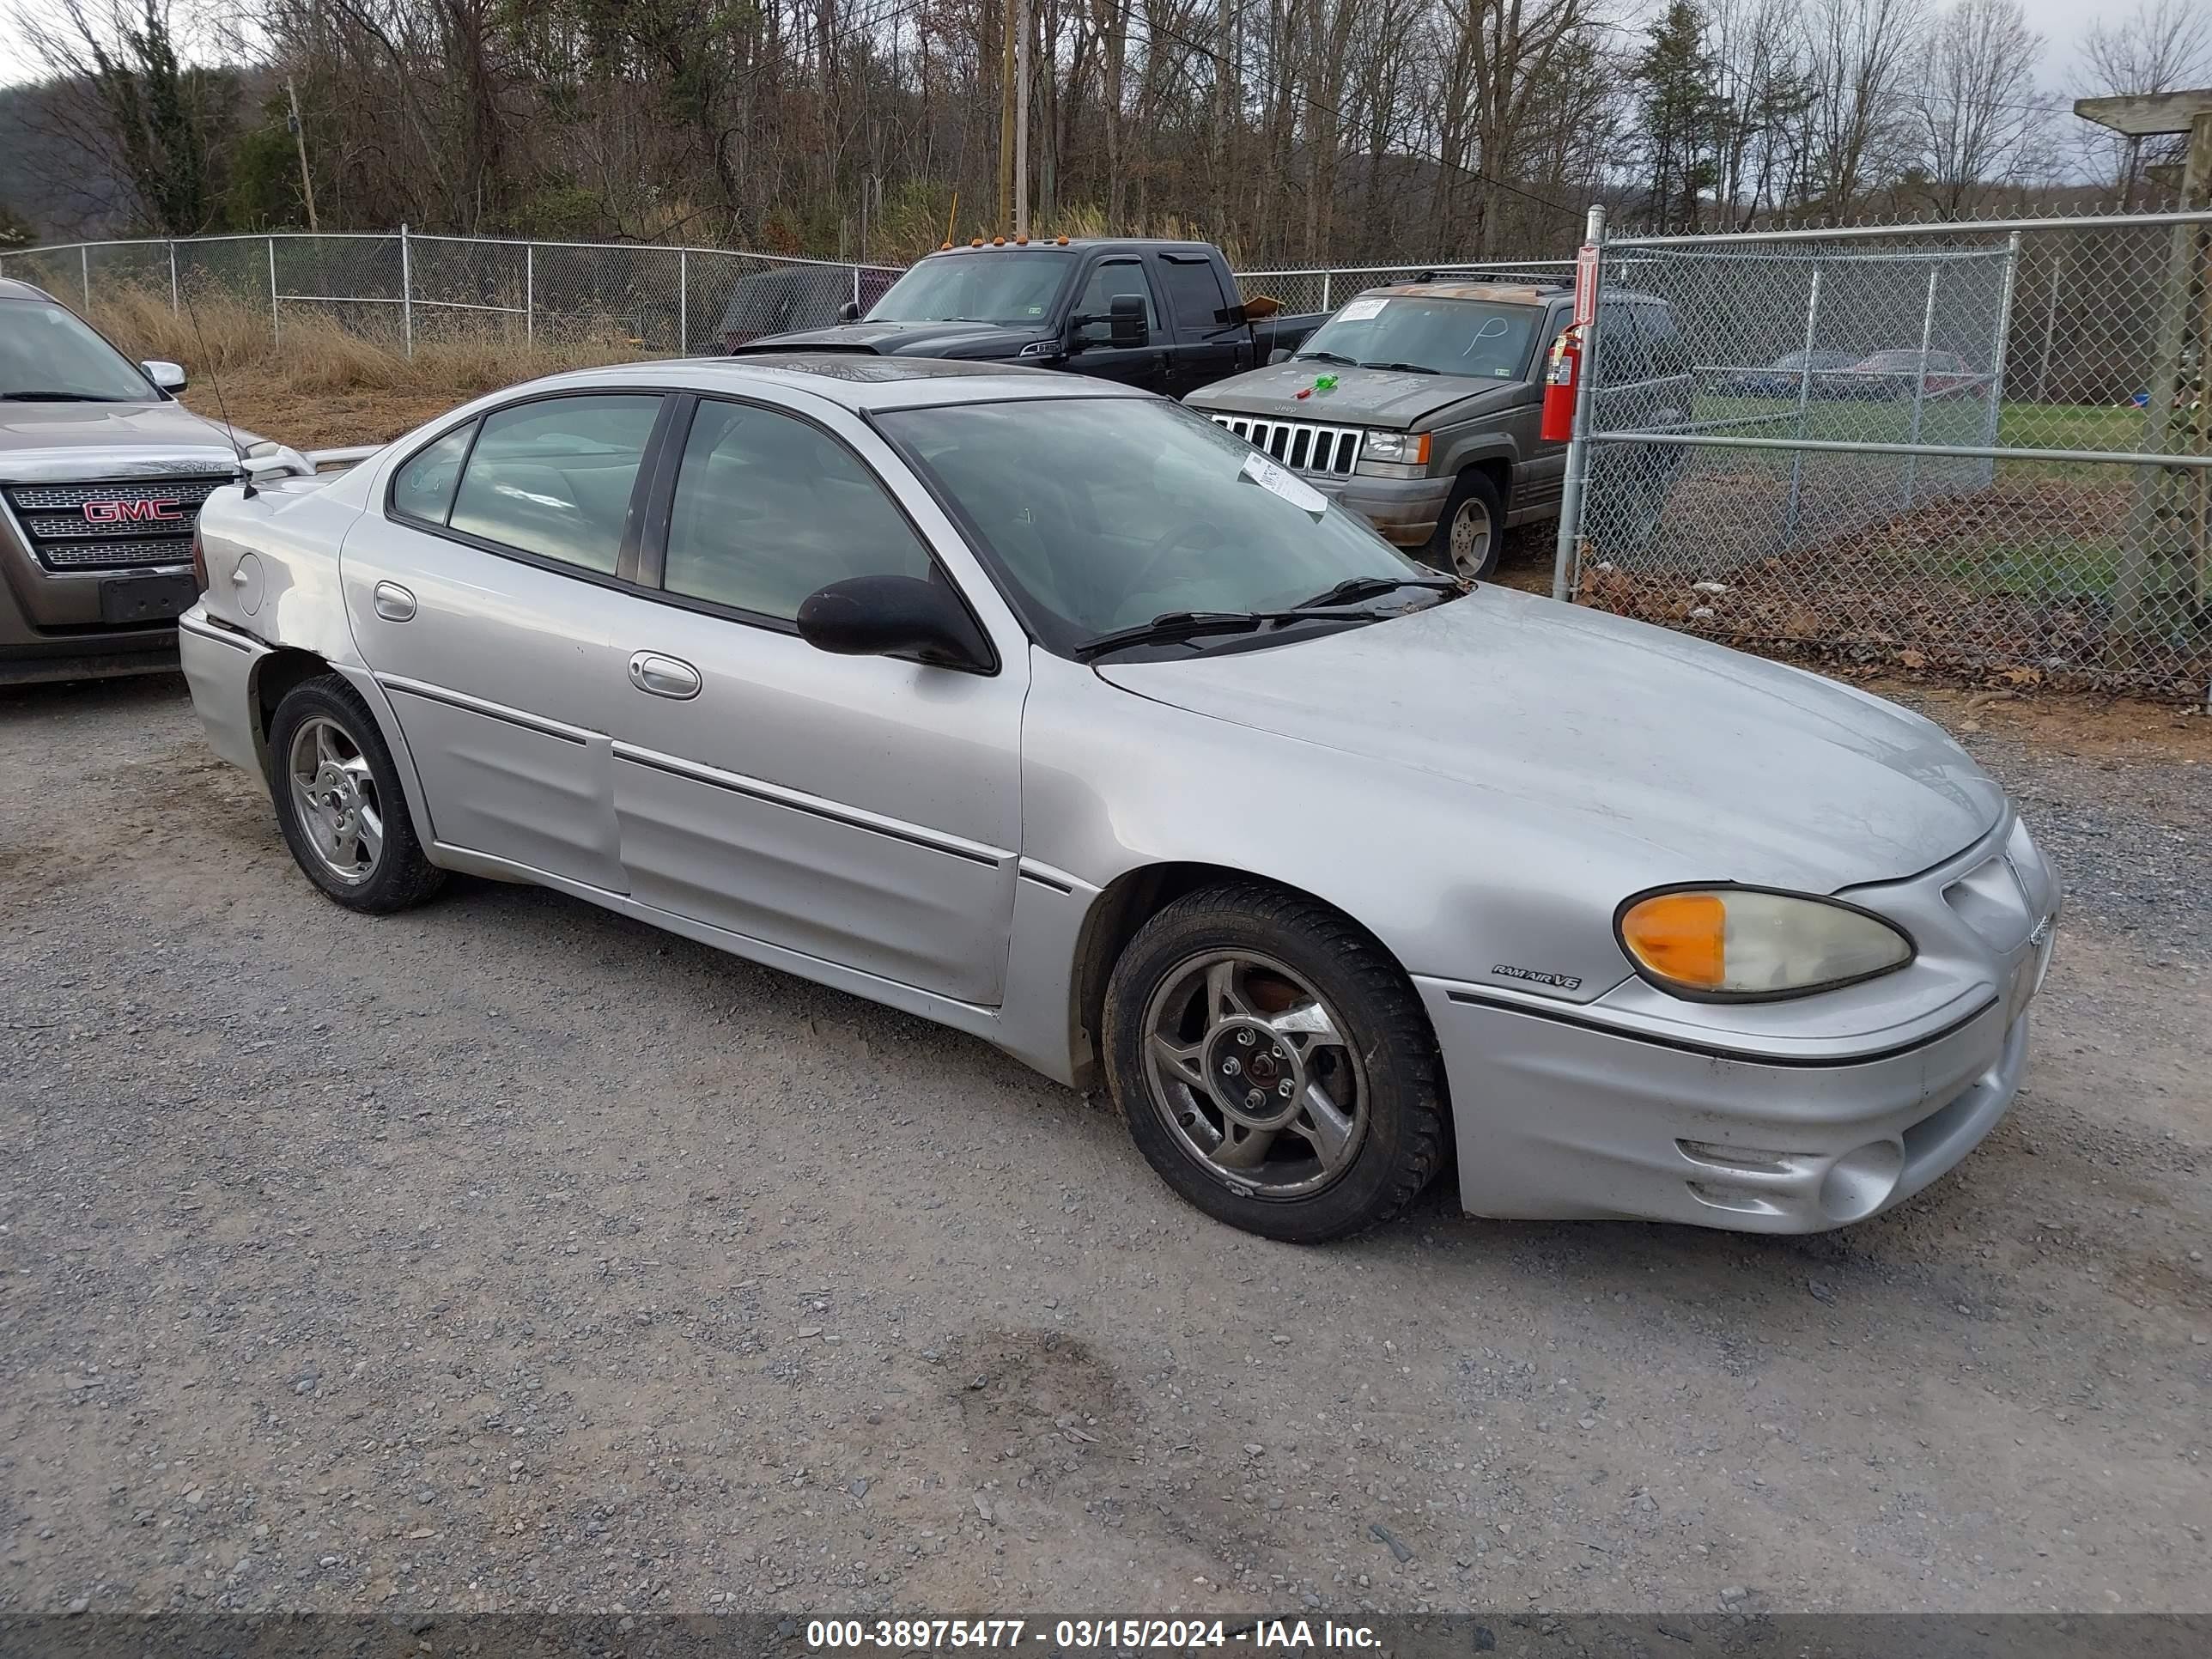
(102, 472)
(1430, 429)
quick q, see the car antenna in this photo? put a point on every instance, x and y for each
(230, 432)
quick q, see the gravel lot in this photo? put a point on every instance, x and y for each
(508, 1253)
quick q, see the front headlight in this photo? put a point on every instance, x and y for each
(1743, 944)
(1409, 447)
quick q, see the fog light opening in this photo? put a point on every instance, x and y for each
(1860, 1183)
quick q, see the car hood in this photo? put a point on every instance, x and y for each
(1723, 766)
(986, 340)
(42, 442)
(1361, 397)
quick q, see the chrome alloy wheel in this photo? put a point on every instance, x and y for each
(337, 796)
(1254, 1075)
(1471, 531)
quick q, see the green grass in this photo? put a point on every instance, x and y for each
(1943, 421)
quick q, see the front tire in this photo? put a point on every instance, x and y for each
(1273, 1065)
(1468, 537)
(339, 803)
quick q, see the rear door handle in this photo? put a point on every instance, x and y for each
(393, 603)
(658, 675)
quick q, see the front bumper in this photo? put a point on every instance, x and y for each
(1404, 511)
(1559, 1118)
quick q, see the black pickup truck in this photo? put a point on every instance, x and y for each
(1162, 315)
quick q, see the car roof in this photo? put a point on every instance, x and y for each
(859, 380)
(1503, 290)
(1158, 244)
(12, 289)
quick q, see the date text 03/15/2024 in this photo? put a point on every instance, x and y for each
(1087, 1635)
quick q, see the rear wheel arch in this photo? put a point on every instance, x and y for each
(274, 676)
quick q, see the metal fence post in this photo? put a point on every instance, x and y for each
(1324, 290)
(406, 292)
(2050, 323)
(856, 285)
(1993, 400)
(275, 324)
(1804, 407)
(1920, 381)
(684, 302)
(84, 270)
(530, 292)
(1566, 555)
(172, 276)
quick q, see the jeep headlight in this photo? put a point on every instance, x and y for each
(1746, 944)
(1411, 449)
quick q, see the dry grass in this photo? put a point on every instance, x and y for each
(326, 384)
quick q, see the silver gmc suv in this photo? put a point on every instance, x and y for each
(102, 472)
(1419, 406)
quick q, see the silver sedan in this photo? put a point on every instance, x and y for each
(1053, 712)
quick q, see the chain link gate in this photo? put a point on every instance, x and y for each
(1986, 454)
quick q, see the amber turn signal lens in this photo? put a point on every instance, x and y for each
(1682, 937)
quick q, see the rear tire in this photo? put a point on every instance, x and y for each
(339, 803)
(1468, 537)
(1273, 1064)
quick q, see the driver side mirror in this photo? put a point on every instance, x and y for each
(1125, 319)
(1279, 354)
(849, 311)
(895, 617)
(170, 377)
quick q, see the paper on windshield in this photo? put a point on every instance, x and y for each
(1279, 481)
(1360, 311)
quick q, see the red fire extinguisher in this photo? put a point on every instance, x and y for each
(1559, 378)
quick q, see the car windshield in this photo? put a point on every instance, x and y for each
(46, 351)
(1014, 287)
(1894, 360)
(1102, 514)
(1445, 337)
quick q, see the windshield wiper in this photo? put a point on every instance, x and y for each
(1373, 588)
(1326, 357)
(1405, 369)
(45, 397)
(1171, 625)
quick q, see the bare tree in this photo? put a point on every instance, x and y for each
(2163, 45)
(1976, 117)
(1860, 63)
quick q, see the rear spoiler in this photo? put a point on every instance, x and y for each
(338, 459)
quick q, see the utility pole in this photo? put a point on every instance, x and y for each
(300, 139)
(1021, 117)
(1007, 28)
(1225, 115)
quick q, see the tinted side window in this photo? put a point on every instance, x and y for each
(1194, 296)
(554, 477)
(423, 488)
(1619, 362)
(767, 509)
(1663, 349)
(1108, 281)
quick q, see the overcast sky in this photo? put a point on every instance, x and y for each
(2062, 22)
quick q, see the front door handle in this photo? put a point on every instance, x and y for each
(393, 603)
(658, 676)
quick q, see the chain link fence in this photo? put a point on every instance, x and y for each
(1978, 448)
(1981, 448)
(407, 288)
